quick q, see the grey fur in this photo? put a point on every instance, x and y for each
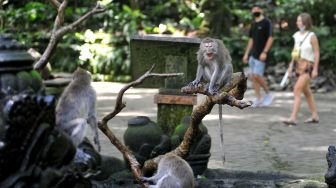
(218, 71)
(76, 108)
(173, 172)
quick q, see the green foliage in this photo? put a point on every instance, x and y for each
(22, 21)
(327, 47)
(114, 61)
(101, 44)
(283, 14)
(236, 46)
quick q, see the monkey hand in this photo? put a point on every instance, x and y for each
(194, 83)
(145, 179)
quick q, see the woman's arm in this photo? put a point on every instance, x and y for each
(316, 49)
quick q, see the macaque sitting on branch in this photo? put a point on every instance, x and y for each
(215, 68)
(214, 65)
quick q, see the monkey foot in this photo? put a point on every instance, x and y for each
(241, 104)
(213, 92)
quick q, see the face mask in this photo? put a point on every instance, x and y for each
(302, 28)
(256, 14)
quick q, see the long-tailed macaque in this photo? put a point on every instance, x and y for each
(172, 172)
(215, 68)
(76, 108)
(214, 65)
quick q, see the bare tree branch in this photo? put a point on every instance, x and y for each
(135, 166)
(58, 32)
(120, 105)
(55, 3)
(228, 95)
(60, 15)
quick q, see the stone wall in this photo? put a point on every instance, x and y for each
(169, 54)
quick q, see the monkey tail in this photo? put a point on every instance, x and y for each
(221, 136)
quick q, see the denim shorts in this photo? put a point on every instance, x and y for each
(256, 66)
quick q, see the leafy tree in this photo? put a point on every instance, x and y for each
(31, 21)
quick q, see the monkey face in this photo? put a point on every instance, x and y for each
(209, 49)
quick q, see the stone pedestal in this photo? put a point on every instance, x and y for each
(170, 55)
(171, 109)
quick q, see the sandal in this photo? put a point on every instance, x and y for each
(312, 120)
(289, 122)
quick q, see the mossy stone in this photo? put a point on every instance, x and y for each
(141, 130)
(183, 126)
(181, 129)
(175, 140)
(109, 166)
(36, 84)
(149, 50)
(24, 80)
(8, 81)
(35, 74)
(199, 151)
(169, 115)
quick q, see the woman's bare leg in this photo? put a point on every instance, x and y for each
(298, 88)
(310, 100)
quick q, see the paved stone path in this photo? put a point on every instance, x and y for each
(254, 138)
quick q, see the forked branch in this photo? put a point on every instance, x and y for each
(55, 3)
(59, 31)
(135, 166)
(228, 95)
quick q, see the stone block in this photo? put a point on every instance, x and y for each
(169, 54)
(169, 115)
(175, 99)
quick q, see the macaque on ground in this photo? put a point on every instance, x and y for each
(172, 172)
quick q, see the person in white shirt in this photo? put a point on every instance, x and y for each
(305, 64)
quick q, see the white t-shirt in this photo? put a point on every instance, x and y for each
(306, 48)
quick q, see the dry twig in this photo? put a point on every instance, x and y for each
(135, 166)
(59, 31)
(228, 95)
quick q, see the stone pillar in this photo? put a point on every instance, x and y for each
(172, 108)
(170, 54)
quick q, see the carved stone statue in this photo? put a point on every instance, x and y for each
(330, 176)
(34, 153)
